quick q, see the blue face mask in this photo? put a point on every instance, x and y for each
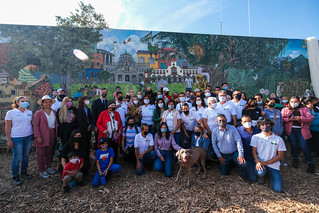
(285, 101)
(159, 96)
(24, 104)
(163, 130)
(225, 88)
(259, 102)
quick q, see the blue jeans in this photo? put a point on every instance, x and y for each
(229, 157)
(151, 130)
(168, 163)
(177, 136)
(296, 137)
(188, 139)
(21, 150)
(249, 173)
(275, 178)
(114, 168)
(147, 159)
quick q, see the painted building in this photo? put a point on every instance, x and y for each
(144, 57)
(101, 58)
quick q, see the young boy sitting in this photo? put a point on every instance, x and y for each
(72, 171)
(104, 161)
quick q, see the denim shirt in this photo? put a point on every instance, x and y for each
(278, 128)
(246, 139)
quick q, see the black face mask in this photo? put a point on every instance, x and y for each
(112, 108)
(197, 133)
(128, 97)
(186, 112)
(61, 97)
(271, 105)
(131, 124)
(145, 132)
(149, 92)
(120, 98)
(104, 94)
(238, 97)
(77, 139)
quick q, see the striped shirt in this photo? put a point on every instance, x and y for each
(26, 76)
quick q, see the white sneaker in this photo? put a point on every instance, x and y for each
(44, 174)
(51, 171)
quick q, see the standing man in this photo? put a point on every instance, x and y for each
(228, 146)
(98, 106)
(182, 98)
(121, 107)
(239, 105)
(226, 108)
(226, 88)
(268, 149)
(58, 99)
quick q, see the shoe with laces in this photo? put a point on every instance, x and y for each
(44, 174)
(51, 171)
(16, 180)
(25, 175)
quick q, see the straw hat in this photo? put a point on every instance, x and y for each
(46, 97)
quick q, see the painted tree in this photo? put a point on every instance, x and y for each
(218, 54)
(54, 45)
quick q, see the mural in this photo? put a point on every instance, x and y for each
(253, 65)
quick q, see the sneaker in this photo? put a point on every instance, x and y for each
(261, 180)
(44, 174)
(311, 168)
(51, 171)
(295, 163)
(285, 164)
(66, 189)
(25, 175)
(16, 180)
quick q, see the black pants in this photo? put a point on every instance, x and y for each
(313, 142)
(130, 156)
(115, 146)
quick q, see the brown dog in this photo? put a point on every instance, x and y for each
(187, 158)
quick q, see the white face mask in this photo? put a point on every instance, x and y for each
(87, 102)
(207, 94)
(182, 99)
(135, 102)
(139, 97)
(146, 101)
(247, 125)
(75, 160)
(294, 105)
(214, 105)
(171, 106)
(198, 103)
(222, 99)
(160, 105)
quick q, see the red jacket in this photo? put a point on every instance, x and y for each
(102, 121)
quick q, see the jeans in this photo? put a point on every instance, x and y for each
(114, 168)
(147, 159)
(152, 130)
(168, 163)
(177, 137)
(187, 139)
(20, 150)
(229, 157)
(275, 178)
(249, 173)
(296, 137)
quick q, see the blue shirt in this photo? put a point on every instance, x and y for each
(278, 128)
(314, 126)
(130, 136)
(246, 139)
(104, 157)
(227, 141)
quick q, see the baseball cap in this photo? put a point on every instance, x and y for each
(165, 89)
(59, 90)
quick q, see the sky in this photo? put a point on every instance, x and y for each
(269, 18)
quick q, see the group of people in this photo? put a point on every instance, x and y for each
(147, 128)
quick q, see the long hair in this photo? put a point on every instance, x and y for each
(167, 134)
(63, 110)
(158, 110)
(290, 107)
(71, 139)
(203, 103)
(81, 101)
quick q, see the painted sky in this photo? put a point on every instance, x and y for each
(271, 18)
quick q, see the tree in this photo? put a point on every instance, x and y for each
(105, 75)
(54, 45)
(218, 54)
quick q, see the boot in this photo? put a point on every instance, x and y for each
(66, 189)
(311, 168)
(16, 180)
(295, 163)
(25, 175)
(261, 180)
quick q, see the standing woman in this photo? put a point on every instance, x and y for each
(67, 120)
(199, 107)
(19, 134)
(158, 112)
(274, 115)
(133, 110)
(252, 110)
(146, 112)
(296, 123)
(45, 135)
(85, 121)
(310, 103)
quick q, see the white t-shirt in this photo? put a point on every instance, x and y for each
(199, 111)
(142, 143)
(190, 120)
(197, 139)
(147, 114)
(239, 107)
(268, 147)
(227, 109)
(21, 123)
(170, 119)
(122, 110)
(211, 116)
(56, 105)
(179, 105)
(51, 119)
(188, 82)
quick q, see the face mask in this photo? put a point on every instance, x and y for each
(61, 97)
(238, 97)
(111, 109)
(149, 92)
(24, 104)
(139, 97)
(77, 139)
(294, 105)
(265, 128)
(247, 125)
(198, 103)
(103, 146)
(221, 123)
(120, 98)
(87, 102)
(259, 102)
(163, 130)
(222, 99)
(131, 124)
(225, 88)
(182, 99)
(171, 106)
(145, 132)
(146, 101)
(75, 160)
(135, 102)
(285, 101)
(207, 94)
(160, 96)
(186, 112)
(214, 105)
(160, 105)
(69, 104)
(216, 92)
(271, 105)
(103, 94)
(197, 133)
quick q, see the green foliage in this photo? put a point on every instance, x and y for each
(105, 75)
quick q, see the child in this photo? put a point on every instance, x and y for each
(71, 171)
(104, 161)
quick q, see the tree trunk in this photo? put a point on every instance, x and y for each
(68, 82)
(62, 83)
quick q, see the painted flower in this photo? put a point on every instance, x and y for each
(262, 91)
(266, 92)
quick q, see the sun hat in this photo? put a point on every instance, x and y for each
(46, 97)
